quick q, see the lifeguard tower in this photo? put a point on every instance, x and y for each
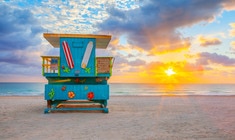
(77, 79)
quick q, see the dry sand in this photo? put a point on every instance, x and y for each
(130, 117)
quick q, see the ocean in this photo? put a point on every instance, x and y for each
(37, 89)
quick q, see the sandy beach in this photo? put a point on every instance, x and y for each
(129, 118)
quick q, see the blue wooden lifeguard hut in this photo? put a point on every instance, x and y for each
(77, 77)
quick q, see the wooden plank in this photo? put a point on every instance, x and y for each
(102, 41)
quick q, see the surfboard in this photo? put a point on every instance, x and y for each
(68, 55)
(87, 54)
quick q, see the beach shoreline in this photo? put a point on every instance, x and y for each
(130, 117)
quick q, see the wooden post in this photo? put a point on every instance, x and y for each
(49, 103)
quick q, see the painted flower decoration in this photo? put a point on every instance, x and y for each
(51, 93)
(90, 95)
(71, 94)
(88, 70)
(66, 70)
(63, 88)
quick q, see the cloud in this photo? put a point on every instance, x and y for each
(71, 16)
(229, 5)
(180, 66)
(206, 58)
(18, 28)
(153, 26)
(232, 25)
(232, 31)
(233, 45)
(20, 41)
(208, 41)
(137, 62)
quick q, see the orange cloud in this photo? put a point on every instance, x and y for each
(208, 41)
(229, 5)
(232, 25)
(233, 45)
(232, 31)
(166, 46)
(114, 41)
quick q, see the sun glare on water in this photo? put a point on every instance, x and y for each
(170, 72)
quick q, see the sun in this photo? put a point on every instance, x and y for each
(170, 72)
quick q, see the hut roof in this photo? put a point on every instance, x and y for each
(102, 41)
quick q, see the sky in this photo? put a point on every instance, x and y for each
(153, 41)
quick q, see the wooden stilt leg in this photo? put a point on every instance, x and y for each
(48, 103)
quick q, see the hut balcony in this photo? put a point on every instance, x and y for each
(50, 65)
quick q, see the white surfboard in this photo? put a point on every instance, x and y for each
(87, 54)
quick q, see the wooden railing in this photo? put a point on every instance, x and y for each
(104, 65)
(50, 65)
